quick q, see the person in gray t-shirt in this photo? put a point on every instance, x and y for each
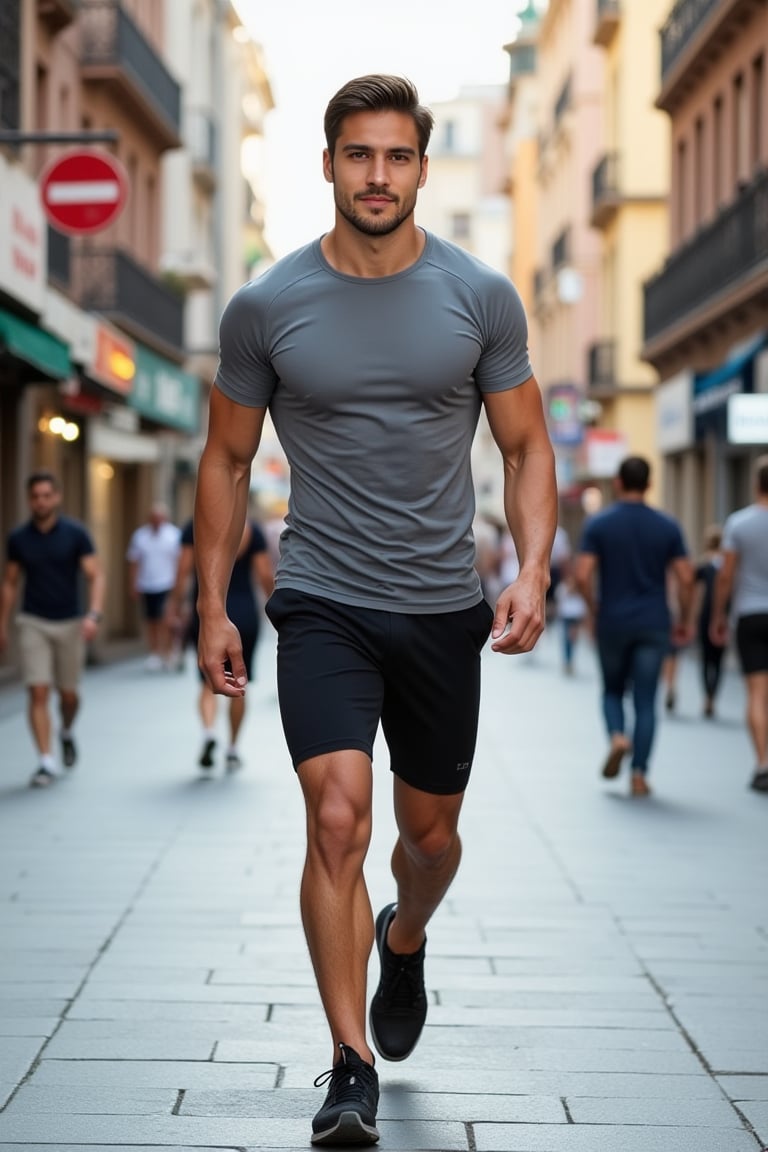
(374, 349)
(743, 582)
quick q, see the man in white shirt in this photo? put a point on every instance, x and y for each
(153, 555)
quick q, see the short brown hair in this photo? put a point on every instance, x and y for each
(377, 93)
(43, 476)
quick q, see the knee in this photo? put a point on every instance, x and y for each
(339, 830)
(38, 695)
(430, 847)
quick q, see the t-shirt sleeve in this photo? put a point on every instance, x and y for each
(12, 549)
(729, 542)
(85, 545)
(245, 373)
(504, 362)
(589, 542)
(678, 548)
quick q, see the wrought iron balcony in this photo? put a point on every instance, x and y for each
(601, 367)
(116, 53)
(59, 257)
(606, 196)
(111, 282)
(608, 20)
(681, 27)
(714, 263)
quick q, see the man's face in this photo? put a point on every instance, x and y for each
(375, 171)
(44, 499)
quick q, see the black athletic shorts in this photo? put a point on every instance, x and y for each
(341, 670)
(752, 642)
(154, 604)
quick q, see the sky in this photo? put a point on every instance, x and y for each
(312, 47)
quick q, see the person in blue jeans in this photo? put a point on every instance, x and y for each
(627, 554)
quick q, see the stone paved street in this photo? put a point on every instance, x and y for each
(597, 977)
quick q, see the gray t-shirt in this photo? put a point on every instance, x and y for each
(746, 533)
(374, 387)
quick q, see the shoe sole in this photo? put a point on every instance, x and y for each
(349, 1129)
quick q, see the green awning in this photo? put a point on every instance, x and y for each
(38, 348)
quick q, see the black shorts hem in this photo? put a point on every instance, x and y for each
(325, 747)
(418, 785)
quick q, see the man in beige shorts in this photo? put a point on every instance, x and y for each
(50, 552)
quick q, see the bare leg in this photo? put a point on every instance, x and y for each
(39, 717)
(69, 704)
(757, 715)
(207, 707)
(335, 907)
(424, 860)
(236, 717)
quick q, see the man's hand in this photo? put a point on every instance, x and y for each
(520, 617)
(719, 631)
(220, 657)
(89, 627)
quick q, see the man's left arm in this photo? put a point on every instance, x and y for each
(94, 575)
(516, 420)
(685, 578)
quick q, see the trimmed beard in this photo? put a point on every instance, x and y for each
(372, 225)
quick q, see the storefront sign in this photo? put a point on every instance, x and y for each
(164, 393)
(114, 360)
(674, 413)
(748, 418)
(602, 452)
(24, 245)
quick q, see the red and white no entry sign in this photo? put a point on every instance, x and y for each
(83, 191)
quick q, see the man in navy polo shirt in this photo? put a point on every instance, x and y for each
(626, 555)
(50, 551)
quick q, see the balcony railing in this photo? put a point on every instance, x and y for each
(110, 281)
(606, 196)
(561, 249)
(601, 367)
(59, 257)
(712, 262)
(681, 27)
(114, 50)
(608, 19)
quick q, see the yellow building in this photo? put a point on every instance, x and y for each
(629, 187)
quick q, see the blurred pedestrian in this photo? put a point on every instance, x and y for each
(710, 654)
(153, 554)
(625, 555)
(51, 553)
(559, 564)
(251, 571)
(374, 349)
(742, 582)
(571, 608)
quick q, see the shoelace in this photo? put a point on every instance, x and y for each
(343, 1081)
(403, 984)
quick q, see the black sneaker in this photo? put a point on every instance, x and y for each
(348, 1115)
(43, 778)
(759, 781)
(68, 752)
(206, 756)
(399, 1006)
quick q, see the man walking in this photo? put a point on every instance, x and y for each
(51, 552)
(631, 550)
(153, 557)
(742, 582)
(373, 349)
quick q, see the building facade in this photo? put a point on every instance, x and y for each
(706, 307)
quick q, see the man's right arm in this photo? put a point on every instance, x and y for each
(221, 503)
(8, 594)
